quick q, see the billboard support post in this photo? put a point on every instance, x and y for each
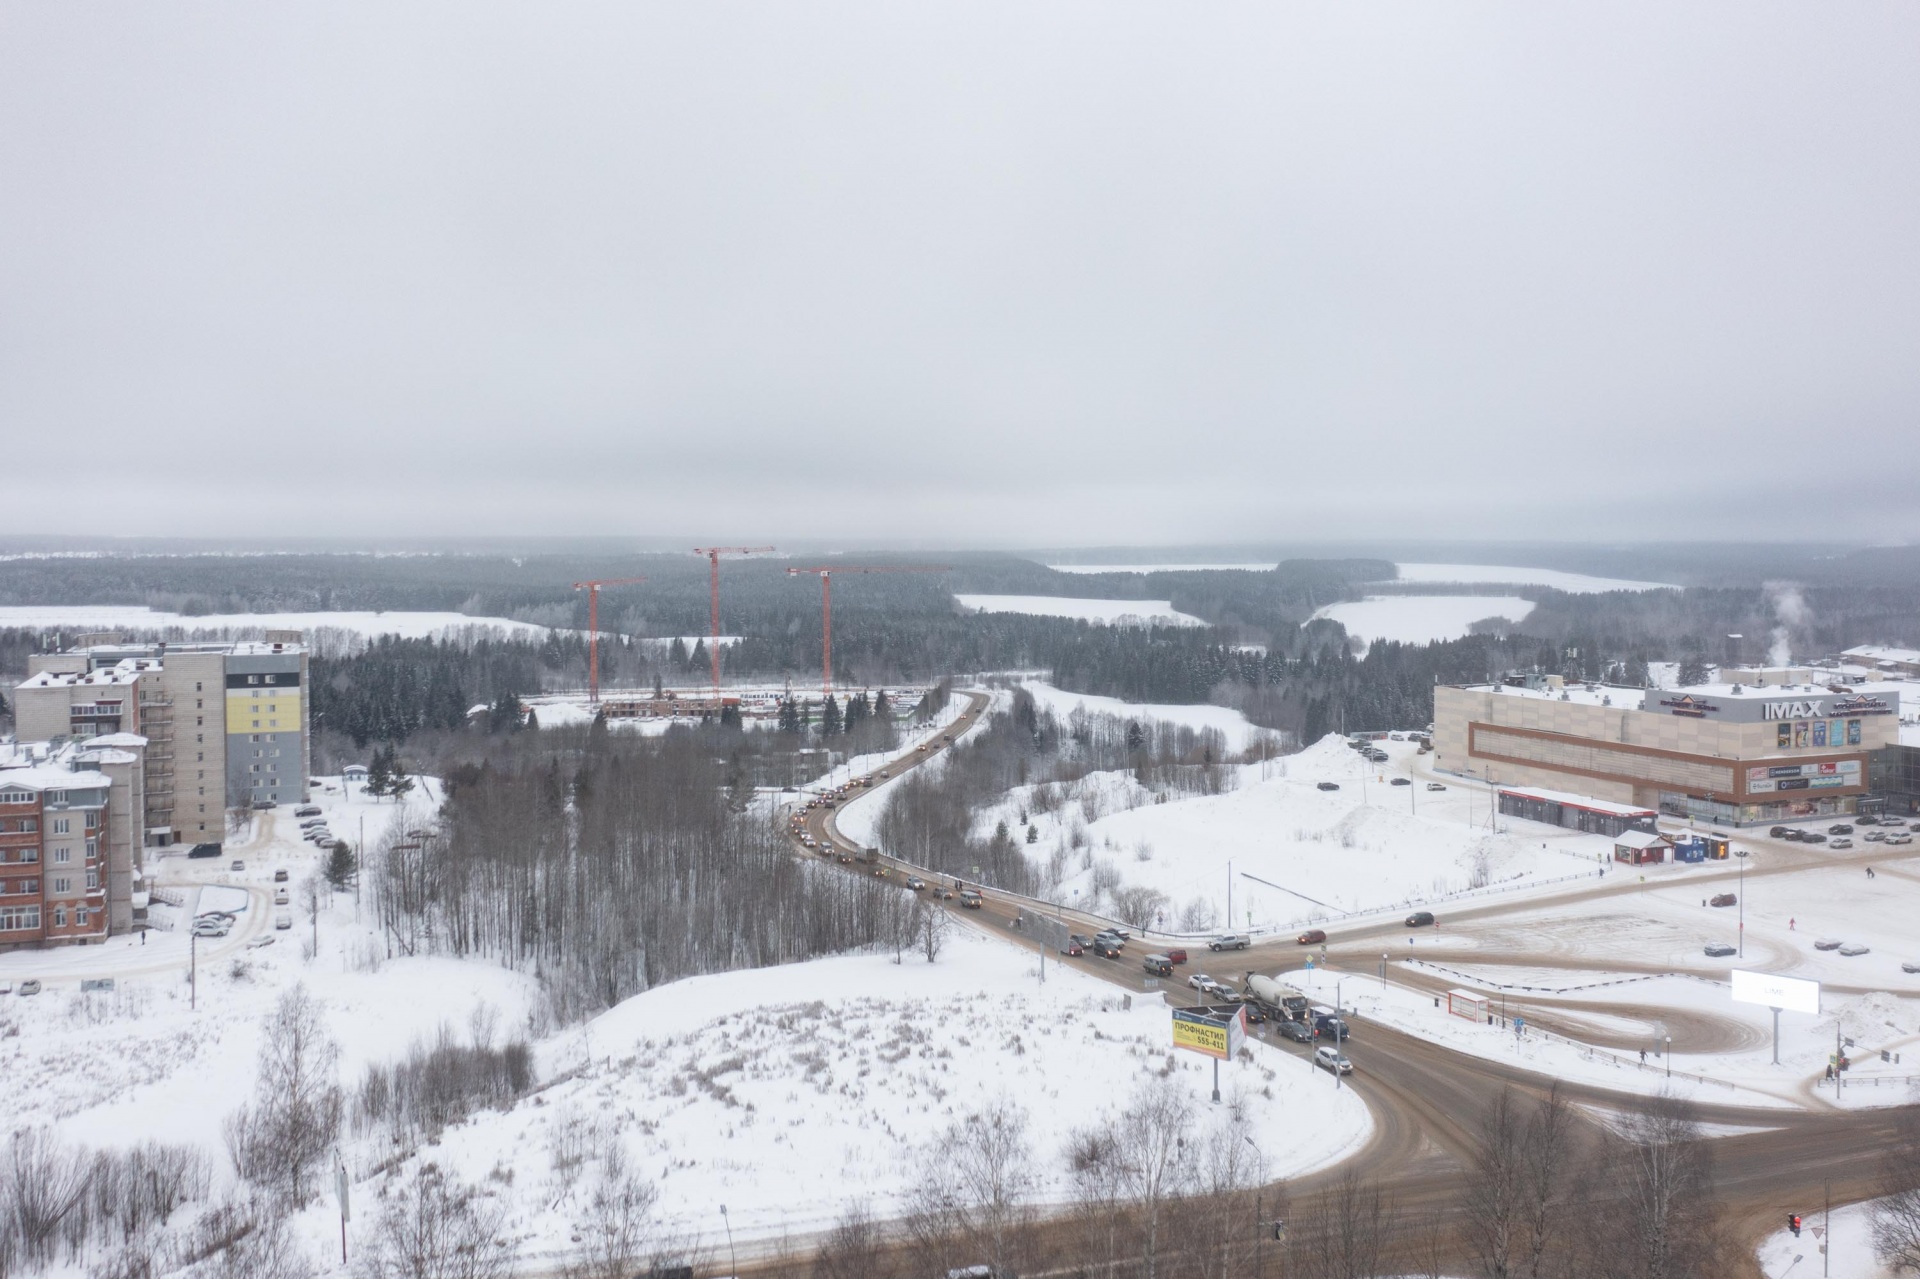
(1216, 1081)
(1776, 1036)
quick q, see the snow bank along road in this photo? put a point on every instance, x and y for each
(1425, 1098)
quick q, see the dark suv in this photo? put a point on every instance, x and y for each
(1420, 919)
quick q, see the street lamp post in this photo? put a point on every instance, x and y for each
(732, 1259)
(1741, 853)
(1259, 1211)
(1669, 1056)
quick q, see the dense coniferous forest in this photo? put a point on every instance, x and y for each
(1260, 652)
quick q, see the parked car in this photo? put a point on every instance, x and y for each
(261, 943)
(1230, 941)
(1076, 944)
(970, 899)
(1777, 832)
(1827, 943)
(1402, 781)
(280, 876)
(1298, 1031)
(31, 986)
(1866, 819)
(1875, 837)
(237, 865)
(1893, 819)
(1911, 966)
(1158, 965)
(1898, 839)
(1841, 844)
(1812, 837)
(1719, 950)
(1329, 1058)
(280, 897)
(1421, 919)
(282, 921)
(1329, 785)
(1312, 937)
(307, 810)
(1853, 948)
(1724, 899)
(204, 927)
(1839, 828)
(1176, 957)
(1435, 786)
(204, 850)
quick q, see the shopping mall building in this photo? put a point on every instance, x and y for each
(1739, 754)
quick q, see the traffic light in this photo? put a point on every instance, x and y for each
(1793, 1223)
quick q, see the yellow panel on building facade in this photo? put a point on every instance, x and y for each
(263, 711)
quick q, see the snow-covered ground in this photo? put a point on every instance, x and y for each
(408, 625)
(1509, 575)
(791, 1092)
(1294, 854)
(1266, 566)
(1848, 1234)
(1421, 619)
(1231, 724)
(1111, 612)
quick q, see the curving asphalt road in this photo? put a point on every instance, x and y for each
(1425, 1098)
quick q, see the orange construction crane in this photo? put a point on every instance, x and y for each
(713, 554)
(592, 588)
(826, 605)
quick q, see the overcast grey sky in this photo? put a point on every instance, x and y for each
(992, 274)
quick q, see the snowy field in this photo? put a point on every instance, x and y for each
(1508, 575)
(408, 625)
(1421, 619)
(1231, 724)
(1264, 567)
(1111, 612)
(1295, 854)
(792, 1091)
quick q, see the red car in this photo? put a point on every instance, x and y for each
(1312, 936)
(1176, 957)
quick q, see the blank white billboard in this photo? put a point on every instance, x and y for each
(1794, 994)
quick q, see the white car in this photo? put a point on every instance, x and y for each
(1841, 844)
(1854, 948)
(283, 921)
(1898, 839)
(1331, 1058)
(1200, 981)
(211, 927)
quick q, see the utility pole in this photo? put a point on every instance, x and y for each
(1741, 853)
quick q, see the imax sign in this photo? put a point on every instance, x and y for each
(1791, 710)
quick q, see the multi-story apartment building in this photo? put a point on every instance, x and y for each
(58, 855)
(197, 706)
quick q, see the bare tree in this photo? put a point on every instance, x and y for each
(1494, 1205)
(1544, 1175)
(1154, 1160)
(976, 1181)
(45, 1181)
(614, 1235)
(1666, 1171)
(933, 932)
(1344, 1231)
(855, 1249)
(1896, 1216)
(1137, 906)
(437, 1229)
(1093, 1157)
(295, 1116)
